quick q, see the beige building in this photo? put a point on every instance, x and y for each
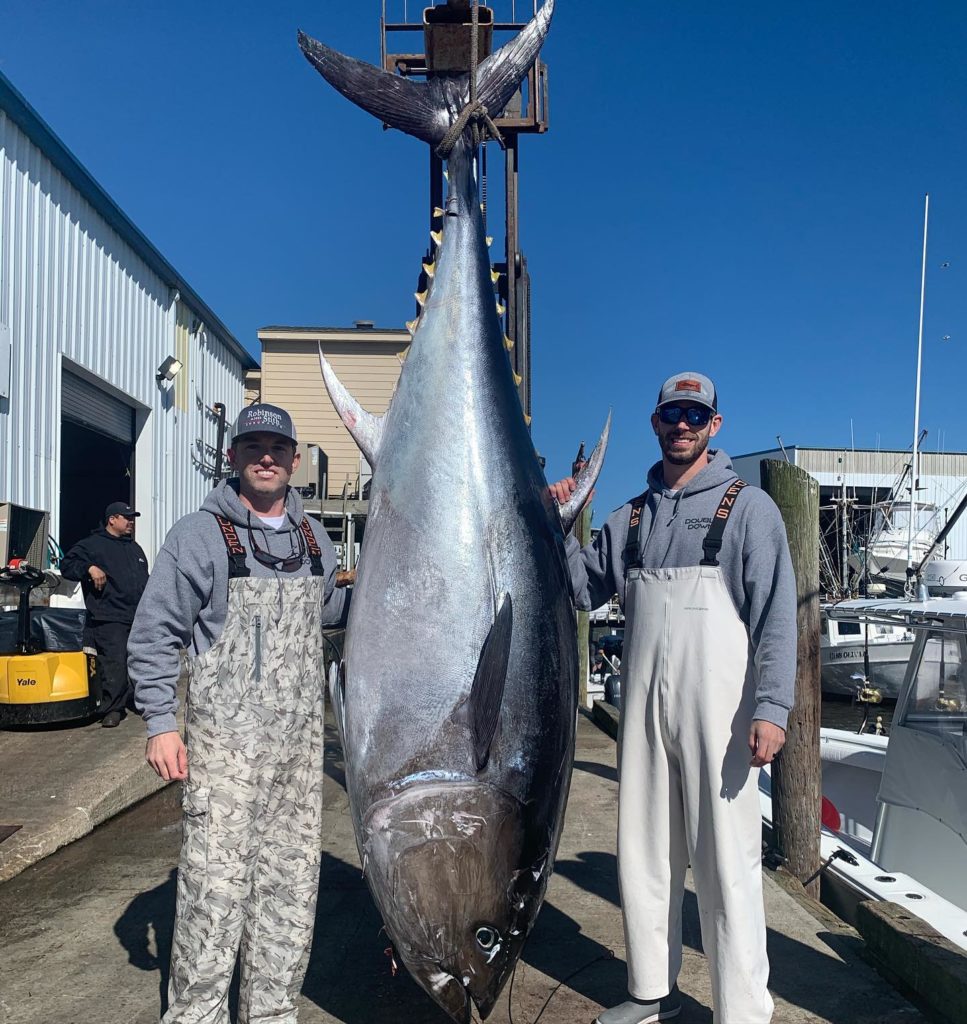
(368, 361)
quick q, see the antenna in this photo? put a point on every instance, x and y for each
(915, 467)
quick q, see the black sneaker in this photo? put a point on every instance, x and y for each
(111, 720)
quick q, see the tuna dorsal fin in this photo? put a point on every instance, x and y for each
(585, 480)
(487, 692)
(396, 101)
(366, 429)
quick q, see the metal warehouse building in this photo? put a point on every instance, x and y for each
(91, 314)
(872, 477)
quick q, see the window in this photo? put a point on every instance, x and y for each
(849, 628)
(938, 698)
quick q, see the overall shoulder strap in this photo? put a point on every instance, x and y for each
(312, 545)
(237, 565)
(712, 544)
(632, 552)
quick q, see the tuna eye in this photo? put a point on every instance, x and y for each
(486, 938)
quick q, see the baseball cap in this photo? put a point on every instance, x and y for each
(267, 419)
(120, 508)
(689, 387)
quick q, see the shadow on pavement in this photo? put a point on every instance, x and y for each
(153, 910)
(334, 765)
(594, 871)
(349, 975)
(603, 771)
(795, 966)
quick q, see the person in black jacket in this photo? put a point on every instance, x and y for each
(113, 571)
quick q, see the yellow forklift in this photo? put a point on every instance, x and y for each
(46, 675)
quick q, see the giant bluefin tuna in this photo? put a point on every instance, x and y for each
(457, 696)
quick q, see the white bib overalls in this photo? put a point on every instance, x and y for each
(687, 791)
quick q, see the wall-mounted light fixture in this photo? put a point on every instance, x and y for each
(169, 369)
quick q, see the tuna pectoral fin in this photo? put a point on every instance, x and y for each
(337, 695)
(585, 480)
(487, 693)
(396, 101)
(366, 429)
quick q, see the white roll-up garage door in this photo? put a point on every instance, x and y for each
(86, 404)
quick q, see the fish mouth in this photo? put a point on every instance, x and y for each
(450, 868)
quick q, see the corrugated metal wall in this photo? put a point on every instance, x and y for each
(943, 478)
(76, 295)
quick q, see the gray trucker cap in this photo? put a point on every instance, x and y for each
(267, 419)
(689, 387)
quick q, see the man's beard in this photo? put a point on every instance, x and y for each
(680, 458)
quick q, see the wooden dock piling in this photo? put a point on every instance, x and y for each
(796, 775)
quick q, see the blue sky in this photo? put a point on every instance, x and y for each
(733, 188)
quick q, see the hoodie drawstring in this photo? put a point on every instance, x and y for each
(678, 501)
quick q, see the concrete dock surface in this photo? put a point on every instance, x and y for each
(59, 783)
(86, 933)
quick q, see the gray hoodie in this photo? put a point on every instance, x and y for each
(754, 558)
(186, 599)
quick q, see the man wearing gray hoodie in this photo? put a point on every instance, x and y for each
(701, 565)
(245, 586)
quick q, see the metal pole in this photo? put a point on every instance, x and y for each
(915, 469)
(512, 244)
(219, 409)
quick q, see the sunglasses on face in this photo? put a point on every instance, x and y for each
(694, 415)
(280, 563)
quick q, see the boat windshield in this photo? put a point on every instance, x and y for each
(938, 698)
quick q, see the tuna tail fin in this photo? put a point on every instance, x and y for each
(500, 75)
(585, 480)
(396, 101)
(482, 709)
(415, 107)
(365, 428)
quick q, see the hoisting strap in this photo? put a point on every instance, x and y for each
(712, 544)
(474, 113)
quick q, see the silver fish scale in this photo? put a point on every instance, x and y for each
(459, 516)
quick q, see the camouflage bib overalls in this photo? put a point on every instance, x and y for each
(249, 870)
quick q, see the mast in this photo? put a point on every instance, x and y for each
(915, 467)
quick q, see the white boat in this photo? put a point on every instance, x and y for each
(845, 646)
(885, 557)
(895, 809)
